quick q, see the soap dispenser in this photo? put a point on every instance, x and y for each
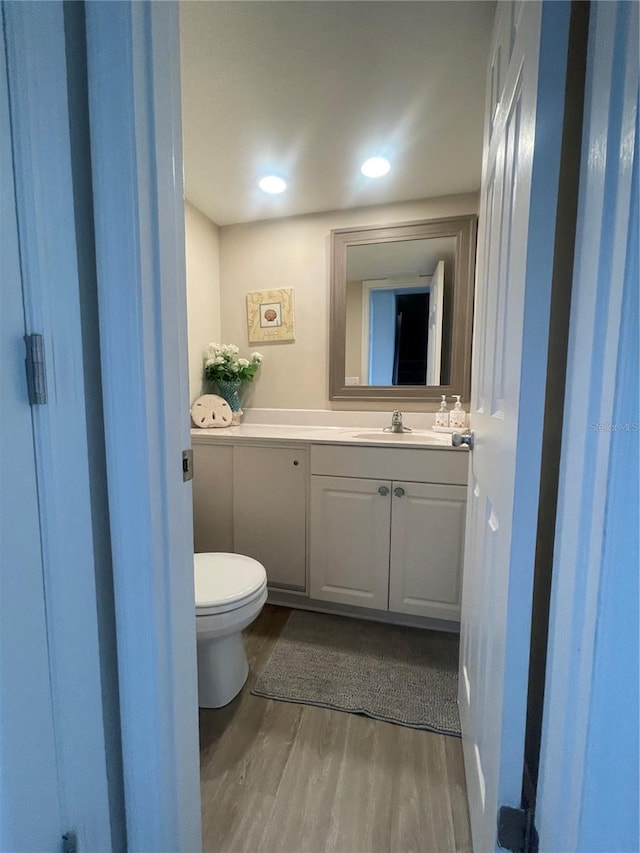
(458, 417)
(442, 415)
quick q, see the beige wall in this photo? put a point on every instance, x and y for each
(294, 253)
(202, 245)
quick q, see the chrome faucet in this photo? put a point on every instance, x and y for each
(396, 423)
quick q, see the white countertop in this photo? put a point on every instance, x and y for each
(424, 438)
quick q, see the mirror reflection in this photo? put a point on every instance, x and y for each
(401, 310)
(399, 298)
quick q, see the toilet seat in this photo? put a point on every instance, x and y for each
(225, 582)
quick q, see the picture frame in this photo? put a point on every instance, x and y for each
(270, 315)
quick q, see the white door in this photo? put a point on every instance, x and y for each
(270, 511)
(427, 540)
(349, 552)
(30, 815)
(515, 258)
(434, 339)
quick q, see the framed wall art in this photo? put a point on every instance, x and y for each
(270, 315)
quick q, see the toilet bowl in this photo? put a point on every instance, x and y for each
(230, 592)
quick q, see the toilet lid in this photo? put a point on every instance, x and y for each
(223, 579)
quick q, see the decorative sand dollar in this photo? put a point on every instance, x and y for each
(210, 412)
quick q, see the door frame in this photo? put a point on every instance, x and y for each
(133, 68)
(595, 361)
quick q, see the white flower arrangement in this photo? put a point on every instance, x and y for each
(223, 364)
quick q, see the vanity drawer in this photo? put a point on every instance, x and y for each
(418, 465)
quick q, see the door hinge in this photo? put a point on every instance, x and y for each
(69, 842)
(36, 373)
(516, 830)
(187, 465)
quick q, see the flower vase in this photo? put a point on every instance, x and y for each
(229, 390)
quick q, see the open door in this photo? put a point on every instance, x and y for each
(434, 338)
(28, 764)
(521, 158)
(59, 749)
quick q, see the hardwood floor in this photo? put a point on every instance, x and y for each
(284, 778)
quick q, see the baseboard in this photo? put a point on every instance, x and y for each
(301, 602)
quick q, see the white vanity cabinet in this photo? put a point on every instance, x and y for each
(253, 500)
(350, 541)
(374, 527)
(427, 542)
(212, 498)
(392, 538)
(270, 510)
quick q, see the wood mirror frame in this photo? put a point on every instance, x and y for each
(464, 229)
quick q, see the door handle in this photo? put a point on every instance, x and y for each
(457, 439)
(399, 492)
(383, 490)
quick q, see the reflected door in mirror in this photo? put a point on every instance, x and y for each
(398, 319)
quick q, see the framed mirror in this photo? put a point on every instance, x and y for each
(402, 310)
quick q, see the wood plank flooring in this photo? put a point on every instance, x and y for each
(284, 778)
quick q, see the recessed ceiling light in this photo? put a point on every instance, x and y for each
(272, 184)
(375, 167)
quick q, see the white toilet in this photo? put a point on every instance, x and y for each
(230, 593)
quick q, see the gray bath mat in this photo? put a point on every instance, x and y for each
(401, 675)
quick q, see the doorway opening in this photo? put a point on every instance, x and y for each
(410, 352)
(401, 335)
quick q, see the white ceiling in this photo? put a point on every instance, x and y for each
(404, 258)
(309, 89)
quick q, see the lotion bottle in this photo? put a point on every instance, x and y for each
(458, 417)
(442, 415)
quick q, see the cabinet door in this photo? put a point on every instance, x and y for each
(427, 545)
(212, 498)
(349, 557)
(270, 511)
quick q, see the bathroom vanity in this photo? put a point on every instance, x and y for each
(344, 520)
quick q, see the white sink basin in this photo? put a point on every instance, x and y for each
(417, 437)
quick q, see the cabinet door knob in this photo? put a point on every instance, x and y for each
(383, 490)
(399, 492)
(295, 462)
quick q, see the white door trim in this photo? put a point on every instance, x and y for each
(45, 207)
(601, 247)
(135, 121)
